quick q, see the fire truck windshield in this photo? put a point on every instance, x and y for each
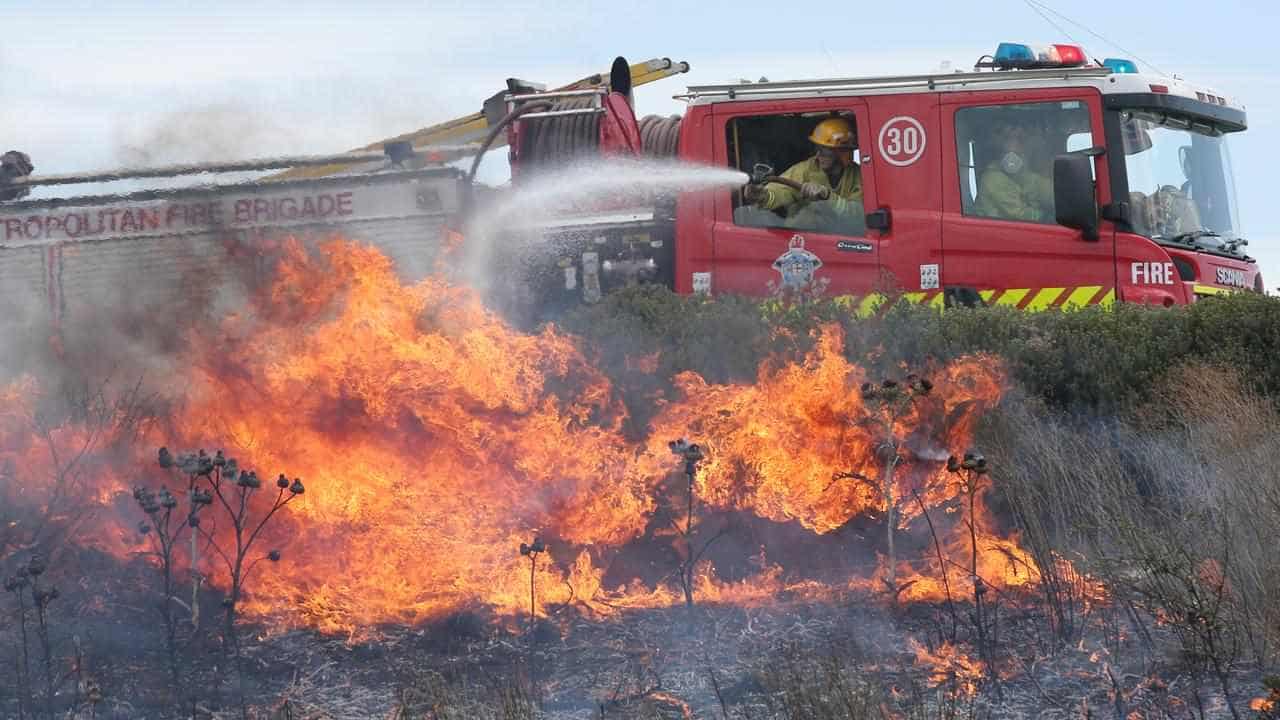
(1180, 182)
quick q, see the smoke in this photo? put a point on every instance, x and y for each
(224, 131)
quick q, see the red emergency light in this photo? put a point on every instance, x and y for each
(1071, 55)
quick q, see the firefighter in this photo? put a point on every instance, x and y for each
(1013, 186)
(831, 183)
(14, 165)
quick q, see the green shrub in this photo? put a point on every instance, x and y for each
(1089, 361)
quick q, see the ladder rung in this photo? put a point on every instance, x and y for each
(562, 113)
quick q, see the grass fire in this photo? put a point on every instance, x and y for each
(350, 495)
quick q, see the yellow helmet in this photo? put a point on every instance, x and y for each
(834, 132)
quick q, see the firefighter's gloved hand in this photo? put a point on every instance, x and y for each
(814, 191)
(752, 194)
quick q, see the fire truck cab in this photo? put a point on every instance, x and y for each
(1038, 180)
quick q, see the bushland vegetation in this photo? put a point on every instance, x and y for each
(1137, 443)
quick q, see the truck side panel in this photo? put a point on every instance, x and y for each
(905, 155)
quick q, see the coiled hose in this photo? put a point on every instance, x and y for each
(660, 136)
(553, 142)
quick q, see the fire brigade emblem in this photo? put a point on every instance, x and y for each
(797, 265)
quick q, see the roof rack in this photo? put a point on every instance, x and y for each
(735, 90)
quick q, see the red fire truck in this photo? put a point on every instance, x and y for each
(1137, 196)
(1122, 182)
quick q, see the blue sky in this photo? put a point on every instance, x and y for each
(88, 85)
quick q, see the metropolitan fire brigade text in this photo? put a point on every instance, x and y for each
(81, 223)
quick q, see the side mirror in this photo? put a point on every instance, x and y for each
(1074, 201)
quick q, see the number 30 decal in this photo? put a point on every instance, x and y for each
(902, 140)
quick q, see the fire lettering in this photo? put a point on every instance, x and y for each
(1152, 273)
(307, 207)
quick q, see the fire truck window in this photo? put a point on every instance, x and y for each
(780, 147)
(1005, 156)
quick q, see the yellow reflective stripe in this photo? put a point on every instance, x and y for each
(1109, 299)
(986, 295)
(844, 302)
(1043, 299)
(869, 304)
(914, 297)
(1013, 297)
(1080, 297)
(939, 301)
(1209, 290)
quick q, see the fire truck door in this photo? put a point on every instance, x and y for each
(905, 155)
(783, 241)
(1001, 242)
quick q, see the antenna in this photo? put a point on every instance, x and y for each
(1038, 5)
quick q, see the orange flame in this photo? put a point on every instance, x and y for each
(434, 439)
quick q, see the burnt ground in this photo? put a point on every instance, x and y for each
(851, 656)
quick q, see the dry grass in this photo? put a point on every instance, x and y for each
(1176, 508)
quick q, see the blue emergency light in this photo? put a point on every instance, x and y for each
(1118, 65)
(1014, 54)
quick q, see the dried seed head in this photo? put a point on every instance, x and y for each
(524, 548)
(296, 488)
(274, 556)
(166, 459)
(168, 500)
(143, 528)
(953, 464)
(193, 520)
(537, 545)
(218, 459)
(282, 482)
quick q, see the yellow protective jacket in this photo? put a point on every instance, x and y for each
(848, 188)
(1025, 196)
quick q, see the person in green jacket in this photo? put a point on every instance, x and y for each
(830, 194)
(1010, 188)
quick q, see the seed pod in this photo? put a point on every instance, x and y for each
(296, 488)
(143, 528)
(193, 521)
(537, 546)
(243, 480)
(524, 548)
(953, 464)
(282, 482)
(166, 459)
(254, 482)
(168, 500)
(274, 556)
(218, 459)
(231, 469)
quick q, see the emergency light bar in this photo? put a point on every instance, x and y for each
(1019, 56)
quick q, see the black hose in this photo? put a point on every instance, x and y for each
(499, 127)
